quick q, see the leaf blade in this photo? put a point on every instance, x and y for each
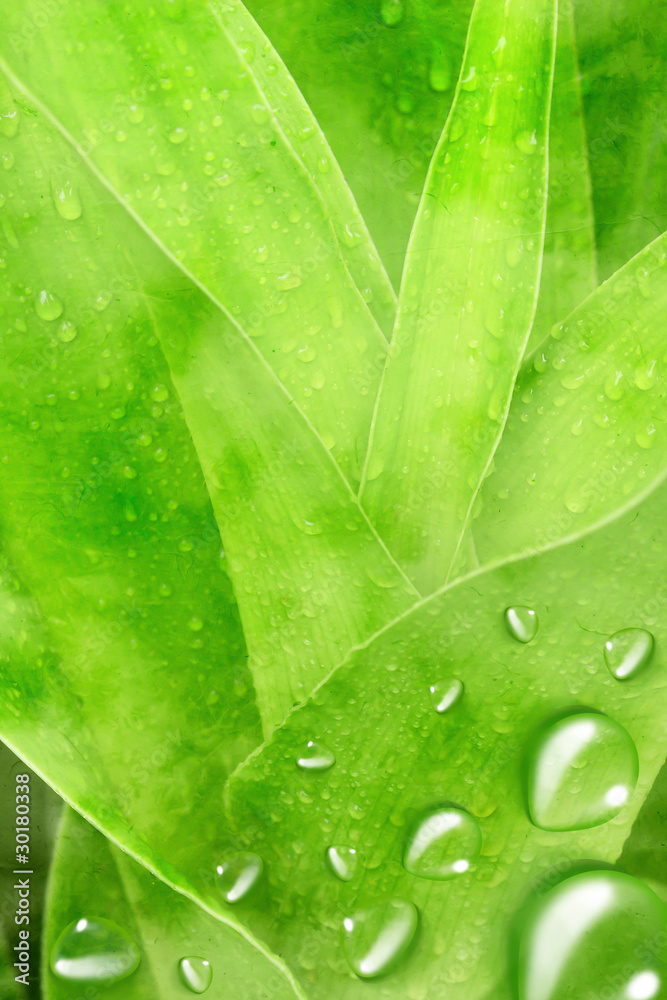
(421, 407)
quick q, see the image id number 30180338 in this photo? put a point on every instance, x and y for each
(22, 884)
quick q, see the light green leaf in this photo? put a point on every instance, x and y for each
(295, 536)
(91, 878)
(9, 989)
(197, 129)
(584, 438)
(468, 293)
(396, 755)
(569, 270)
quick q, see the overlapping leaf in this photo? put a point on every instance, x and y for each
(468, 293)
(396, 756)
(90, 878)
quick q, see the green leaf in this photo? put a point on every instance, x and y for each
(197, 129)
(462, 325)
(583, 440)
(397, 755)
(9, 990)
(91, 878)
(569, 270)
(274, 485)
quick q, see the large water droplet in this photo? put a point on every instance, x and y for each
(9, 123)
(48, 306)
(581, 771)
(392, 12)
(239, 875)
(521, 623)
(627, 652)
(196, 973)
(442, 843)
(596, 934)
(94, 950)
(67, 202)
(445, 694)
(343, 862)
(374, 940)
(315, 757)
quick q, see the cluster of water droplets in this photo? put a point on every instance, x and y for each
(581, 768)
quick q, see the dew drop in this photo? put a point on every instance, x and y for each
(392, 12)
(159, 392)
(94, 950)
(440, 69)
(470, 81)
(177, 136)
(375, 939)
(628, 652)
(102, 300)
(9, 123)
(442, 843)
(315, 757)
(66, 331)
(445, 694)
(581, 771)
(589, 932)
(342, 861)
(521, 623)
(526, 142)
(48, 306)
(196, 973)
(66, 201)
(239, 875)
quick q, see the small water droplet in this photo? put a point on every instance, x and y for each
(66, 331)
(48, 306)
(581, 771)
(588, 937)
(628, 652)
(178, 135)
(94, 950)
(315, 757)
(343, 862)
(290, 279)
(159, 392)
(239, 875)
(446, 693)
(499, 51)
(442, 843)
(196, 973)
(521, 623)
(470, 81)
(392, 12)
(375, 939)
(135, 114)
(440, 69)
(102, 300)
(9, 123)
(526, 142)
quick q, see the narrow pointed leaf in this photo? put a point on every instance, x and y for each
(295, 537)
(468, 292)
(569, 271)
(197, 129)
(397, 756)
(92, 879)
(584, 440)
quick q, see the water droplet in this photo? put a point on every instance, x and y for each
(177, 136)
(9, 123)
(48, 306)
(470, 81)
(159, 392)
(94, 950)
(627, 652)
(392, 12)
(375, 939)
(196, 973)
(526, 142)
(595, 934)
(499, 51)
(581, 772)
(135, 114)
(442, 843)
(521, 623)
(440, 70)
(315, 757)
(66, 200)
(446, 693)
(239, 875)
(290, 279)
(66, 331)
(102, 300)
(343, 862)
